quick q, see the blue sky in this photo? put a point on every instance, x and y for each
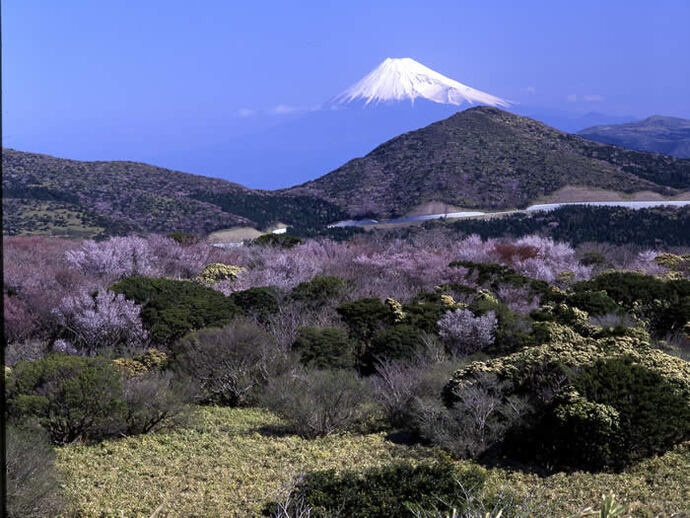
(129, 79)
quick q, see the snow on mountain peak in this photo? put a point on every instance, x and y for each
(397, 79)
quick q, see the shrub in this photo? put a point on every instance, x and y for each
(512, 330)
(478, 419)
(72, 397)
(387, 491)
(259, 303)
(593, 302)
(31, 479)
(105, 320)
(319, 291)
(171, 308)
(318, 403)
(217, 272)
(665, 304)
(495, 275)
(594, 259)
(325, 347)
(115, 258)
(653, 411)
(398, 342)
(277, 240)
(18, 319)
(423, 314)
(154, 400)
(466, 334)
(649, 390)
(365, 316)
(229, 363)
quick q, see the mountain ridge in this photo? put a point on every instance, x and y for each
(655, 134)
(487, 158)
(483, 158)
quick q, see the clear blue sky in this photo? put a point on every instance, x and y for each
(115, 79)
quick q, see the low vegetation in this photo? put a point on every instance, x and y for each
(433, 374)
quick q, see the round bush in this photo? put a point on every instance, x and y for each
(325, 347)
(172, 308)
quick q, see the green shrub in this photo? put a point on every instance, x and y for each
(664, 304)
(594, 259)
(593, 302)
(653, 410)
(317, 403)
(71, 396)
(648, 389)
(424, 312)
(260, 302)
(398, 342)
(365, 316)
(319, 291)
(325, 347)
(277, 240)
(31, 479)
(578, 433)
(387, 491)
(172, 308)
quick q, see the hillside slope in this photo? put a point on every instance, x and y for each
(488, 158)
(657, 134)
(55, 196)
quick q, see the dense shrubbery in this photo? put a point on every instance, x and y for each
(665, 304)
(325, 347)
(338, 337)
(74, 397)
(396, 490)
(321, 290)
(577, 224)
(229, 364)
(605, 372)
(260, 302)
(171, 308)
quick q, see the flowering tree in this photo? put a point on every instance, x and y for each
(105, 320)
(115, 258)
(466, 334)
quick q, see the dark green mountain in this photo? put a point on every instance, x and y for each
(491, 159)
(55, 196)
(657, 134)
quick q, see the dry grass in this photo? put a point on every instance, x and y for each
(230, 462)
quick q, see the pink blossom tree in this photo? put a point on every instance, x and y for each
(465, 333)
(106, 320)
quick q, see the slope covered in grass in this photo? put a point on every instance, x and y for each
(231, 462)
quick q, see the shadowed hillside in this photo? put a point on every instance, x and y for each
(488, 158)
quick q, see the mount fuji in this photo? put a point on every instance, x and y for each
(405, 79)
(398, 96)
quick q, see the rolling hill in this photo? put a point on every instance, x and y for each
(482, 158)
(657, 134)
(55, 196)
(488, 158)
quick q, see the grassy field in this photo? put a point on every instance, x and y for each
(230, 462)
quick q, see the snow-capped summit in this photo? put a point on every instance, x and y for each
(404, 78)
